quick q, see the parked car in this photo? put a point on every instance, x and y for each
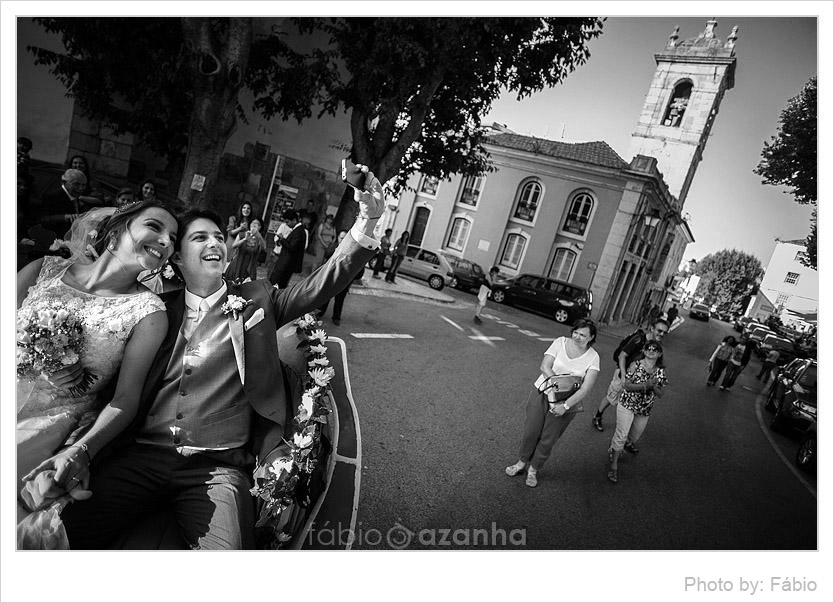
(431, 266)
(560, 300)
(699, 311)
(793, 396)
(752, 326)
(468, 274)
(806, 454)
(785, 347)
(757, 335)
(741, 322)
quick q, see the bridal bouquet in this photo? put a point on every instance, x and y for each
(287, 479)
(47, 341)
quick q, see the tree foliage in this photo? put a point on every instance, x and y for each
(172, 83)
(417, 88)
(790, 158)
(727, 277)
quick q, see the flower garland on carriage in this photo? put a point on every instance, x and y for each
(290, 483)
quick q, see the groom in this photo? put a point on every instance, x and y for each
(216, 399)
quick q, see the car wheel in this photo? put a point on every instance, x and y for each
(436, 282)
(499, 297)
(561, 315)
(806, 455)
(454, 284)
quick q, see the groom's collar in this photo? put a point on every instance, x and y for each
(192, 301)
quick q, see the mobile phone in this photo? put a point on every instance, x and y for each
(352, 175)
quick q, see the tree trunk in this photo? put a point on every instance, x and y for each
(219, 62)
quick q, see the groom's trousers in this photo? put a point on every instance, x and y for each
(206, 492)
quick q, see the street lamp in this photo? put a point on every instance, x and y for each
(652, 218)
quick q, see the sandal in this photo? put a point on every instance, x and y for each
(531, 480)
(514, 470)
(612, 476)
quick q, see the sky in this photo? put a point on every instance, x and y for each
(728, 205)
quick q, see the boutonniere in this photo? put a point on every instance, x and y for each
(234, 305)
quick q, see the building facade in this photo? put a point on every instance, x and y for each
(579, 212)
(788, 290)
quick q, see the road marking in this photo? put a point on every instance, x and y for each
(775, 446)
(485, 338)
(453, 323)
(381, 336)
(545, 339)
(530, 333)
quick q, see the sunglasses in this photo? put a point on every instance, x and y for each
(652, 348)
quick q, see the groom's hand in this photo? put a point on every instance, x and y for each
(372, 199)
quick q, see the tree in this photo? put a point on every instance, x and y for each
(417, 88)
(727, 277)
(173, 83)
(790, 158)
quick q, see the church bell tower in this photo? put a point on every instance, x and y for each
(682, 103)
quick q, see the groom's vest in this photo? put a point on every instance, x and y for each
(201, 402)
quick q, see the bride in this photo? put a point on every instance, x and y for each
(123, 324)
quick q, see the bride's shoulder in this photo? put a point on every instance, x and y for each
(53, 265)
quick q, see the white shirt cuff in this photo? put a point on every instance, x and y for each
(363, 239)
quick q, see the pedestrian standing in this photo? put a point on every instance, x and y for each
(384, 251)
(719, 359)
(672, 315)
(654, 313)
(484, 292)
(767, 365)
(339, 298)
(570, 361)
(397, 257)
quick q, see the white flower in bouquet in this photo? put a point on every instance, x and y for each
(302, 440)
(281, 465)
(320, 361)
(317, 335)
(322, 376)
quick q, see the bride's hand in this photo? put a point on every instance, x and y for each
(67, 377)
(70, 467)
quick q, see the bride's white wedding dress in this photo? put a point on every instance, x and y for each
(47, 415)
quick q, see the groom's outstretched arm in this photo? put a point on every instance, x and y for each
(350, 257)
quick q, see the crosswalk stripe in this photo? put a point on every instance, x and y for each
(453, 323)
(381, 336)
(485, 338)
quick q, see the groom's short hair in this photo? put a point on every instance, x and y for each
(195, 213)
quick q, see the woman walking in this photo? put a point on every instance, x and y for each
(720, 358)
(568, 371)
(644, 383)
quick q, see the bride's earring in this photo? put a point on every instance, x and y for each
(112, 245)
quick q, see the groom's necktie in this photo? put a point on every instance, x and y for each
(196, 317)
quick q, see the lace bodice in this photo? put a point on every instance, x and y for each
(107, 323)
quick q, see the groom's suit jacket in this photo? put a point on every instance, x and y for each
(264, 377)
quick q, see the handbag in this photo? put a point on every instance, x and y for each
(563, 386)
